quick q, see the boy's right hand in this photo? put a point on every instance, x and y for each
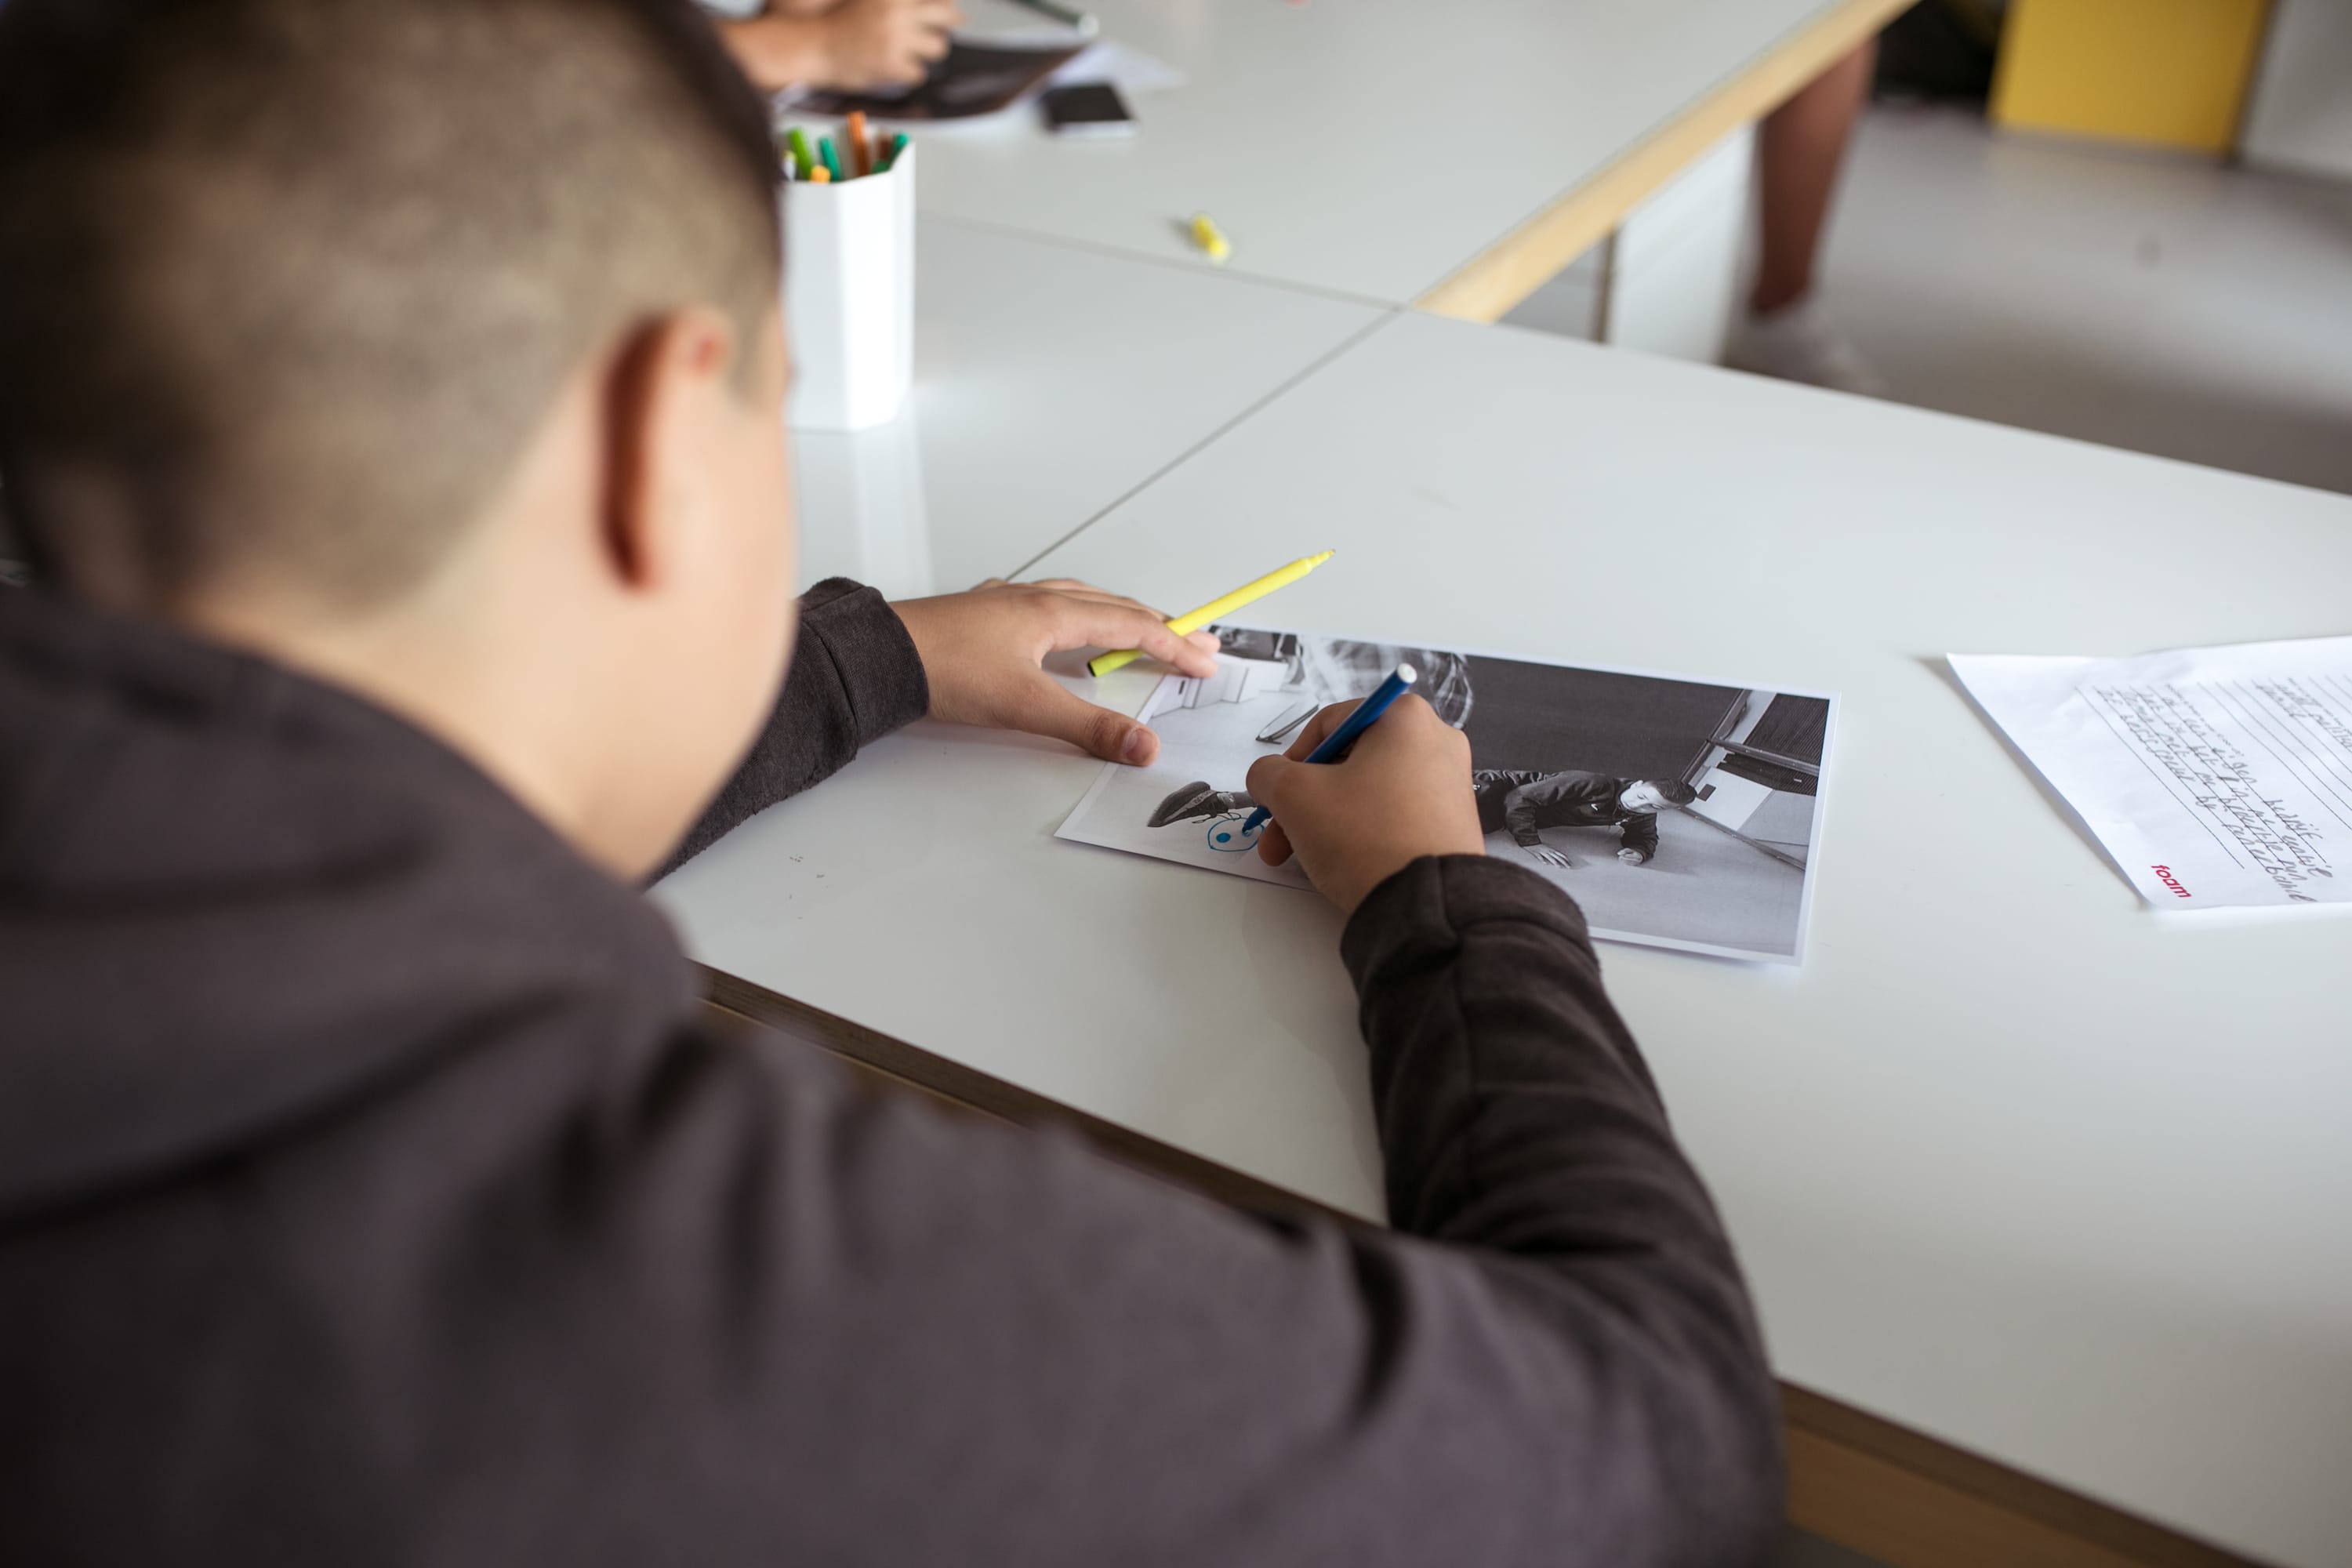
(885, 43)
(1402, 792)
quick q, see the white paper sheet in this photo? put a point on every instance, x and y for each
(1729, 874)
(1125, 67)
(2215, 777)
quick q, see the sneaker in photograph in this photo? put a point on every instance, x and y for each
(1188, 800)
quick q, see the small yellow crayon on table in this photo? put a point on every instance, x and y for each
(1211, 239)
(1216, 609)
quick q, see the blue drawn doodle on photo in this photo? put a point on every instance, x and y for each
(1227, 834)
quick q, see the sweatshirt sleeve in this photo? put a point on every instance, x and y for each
(1520, 814)
(889, 1335)
(854, 678)
(1548, 790)
(1640, 832)
(1519, 1121)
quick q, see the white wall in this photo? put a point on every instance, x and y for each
(1733, 800)
(2301, 118)
(1743, 804)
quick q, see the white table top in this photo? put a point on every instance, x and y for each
(1365, 147)
(1049, 381)
(2012, 1159)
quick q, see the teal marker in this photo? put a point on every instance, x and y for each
(802, 160)
(832, 160)
(897, 146)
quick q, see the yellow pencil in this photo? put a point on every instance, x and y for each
(1210, 614)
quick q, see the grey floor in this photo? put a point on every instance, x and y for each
(2160, 304)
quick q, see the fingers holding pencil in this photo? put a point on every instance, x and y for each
(1092, 595)
(1217, 609)
(1073, 588)
(1404, 793)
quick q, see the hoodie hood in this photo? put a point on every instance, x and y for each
(234, 900)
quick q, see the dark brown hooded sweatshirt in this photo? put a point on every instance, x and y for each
(370, 1193)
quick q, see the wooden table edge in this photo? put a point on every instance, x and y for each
(1489, 286)
(1906, 1498)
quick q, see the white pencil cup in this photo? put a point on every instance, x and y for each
(849, 297)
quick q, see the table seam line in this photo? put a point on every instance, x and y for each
(1165, 263)
(1251, 412)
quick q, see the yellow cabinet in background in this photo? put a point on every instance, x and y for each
(2172, 73)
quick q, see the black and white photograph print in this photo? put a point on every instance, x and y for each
(1679, 814)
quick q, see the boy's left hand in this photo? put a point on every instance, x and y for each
(985, 653)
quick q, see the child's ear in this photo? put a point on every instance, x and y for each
(659, 393)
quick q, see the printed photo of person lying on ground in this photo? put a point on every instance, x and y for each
(1678, 814)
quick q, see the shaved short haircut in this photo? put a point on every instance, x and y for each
(287, 285)
(1674, 791)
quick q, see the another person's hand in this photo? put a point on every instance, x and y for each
(1544, 854)
(983, 653)
(1402, 792)
(867, 44)
(1633, 857)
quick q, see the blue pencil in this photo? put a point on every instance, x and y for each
(1335, 744)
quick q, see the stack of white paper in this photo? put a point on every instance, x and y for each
(2214, 776)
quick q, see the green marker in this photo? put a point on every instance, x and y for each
(831, 162)
(897, 146)
(803, 161)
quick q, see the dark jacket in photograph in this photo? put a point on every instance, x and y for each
(1527, 803)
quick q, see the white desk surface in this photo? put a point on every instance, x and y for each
(1365, 147)
(2012, 1159)
(1049, 381)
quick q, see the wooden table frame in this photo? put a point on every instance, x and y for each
(1487, 286)
(1905, 1499)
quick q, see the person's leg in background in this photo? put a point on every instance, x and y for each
(1799, 149)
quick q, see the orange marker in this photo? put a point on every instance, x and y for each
(861, 150)
(820, 176)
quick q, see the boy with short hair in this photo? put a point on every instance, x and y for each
(391, 396)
